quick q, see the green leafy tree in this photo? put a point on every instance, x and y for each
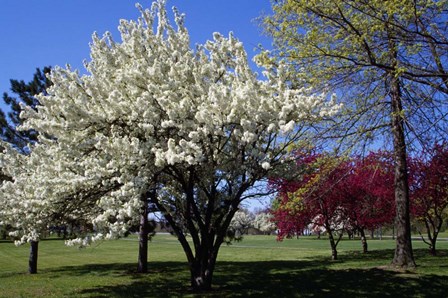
(22, 94)
(386, 60)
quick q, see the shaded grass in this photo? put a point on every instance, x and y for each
(257, 266)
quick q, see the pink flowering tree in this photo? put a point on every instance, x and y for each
(429, 192)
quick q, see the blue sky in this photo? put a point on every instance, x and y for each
(54, 32)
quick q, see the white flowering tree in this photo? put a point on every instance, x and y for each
(240, 224)
(40, 194)
(26, 226)
(263, 221)
(191, 131)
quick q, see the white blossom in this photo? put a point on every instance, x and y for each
(263, 222)
(147, 102)
(266, 165)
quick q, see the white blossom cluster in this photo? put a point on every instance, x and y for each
(240, 223)
(264, 222)
(147, 103)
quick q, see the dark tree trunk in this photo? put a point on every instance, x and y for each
(142, 266)
(202, 269)
(432, 247)
(207, 226)
(203, 264)
(403, 252)
(333, 242)
(363, 241)
(143, 245)
(334, 252)
(32, 261)
(202, 261)
(435, 226)
(403, 257)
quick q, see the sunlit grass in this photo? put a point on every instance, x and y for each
(258, 265)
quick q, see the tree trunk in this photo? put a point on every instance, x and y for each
(363, 241)
(202, 272)
(202, 261)
(203, 264)
(432, 236)
(334, 252)
(142, 266)
(403, 257)
(333, 243)
(432, 247)
(32, 261)
(403, 252)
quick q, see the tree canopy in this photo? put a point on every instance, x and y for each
(386, 59)
(190, 131)
(429, 192)
(348, 46)
(26, 95)
(336, 195)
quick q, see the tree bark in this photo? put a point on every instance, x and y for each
(403, 257)
(203, 264)
(202, 269)
(333, 242)
(403, 252)
(32, 261)
(363, 241)
(142, 266)
(432, 236)
(432, 247)
(334, 252)
(202, 261)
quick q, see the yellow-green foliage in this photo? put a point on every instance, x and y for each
(355, 49)
(336, 37)
(318, 172)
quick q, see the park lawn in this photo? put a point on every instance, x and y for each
(258, 266)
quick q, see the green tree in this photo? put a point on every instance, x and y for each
(386, 60)
(23, 93)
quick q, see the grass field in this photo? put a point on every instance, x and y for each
(258, 267)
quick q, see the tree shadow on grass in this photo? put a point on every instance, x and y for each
(305, 278)
(290, 279)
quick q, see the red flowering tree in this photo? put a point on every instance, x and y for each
(429, 192)
(291, 219)
(336, 194)
(313, 200)
(369, 193)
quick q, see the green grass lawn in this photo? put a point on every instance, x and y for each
(258, 266)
